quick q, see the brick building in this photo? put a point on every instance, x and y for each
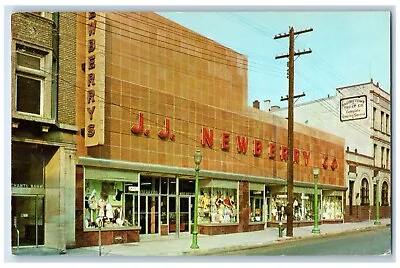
(149, 93)
(43, 69)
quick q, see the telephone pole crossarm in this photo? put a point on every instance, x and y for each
(294, 97)
(296, 54)
(283, 35)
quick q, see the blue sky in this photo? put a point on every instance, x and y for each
(349, 47)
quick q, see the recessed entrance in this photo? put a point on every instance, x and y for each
(27, 220)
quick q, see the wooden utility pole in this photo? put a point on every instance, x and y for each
(291, 96)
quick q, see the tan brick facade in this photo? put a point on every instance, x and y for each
(164, 71)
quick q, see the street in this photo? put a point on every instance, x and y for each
(367, 243)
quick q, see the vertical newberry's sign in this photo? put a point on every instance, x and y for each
(95, 78)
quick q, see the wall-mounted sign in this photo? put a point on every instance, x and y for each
(95, 78)
(133, 188)
(353, 108)
(24, 185)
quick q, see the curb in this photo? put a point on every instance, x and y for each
(277, 242)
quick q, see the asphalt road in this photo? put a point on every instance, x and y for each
(365, 243)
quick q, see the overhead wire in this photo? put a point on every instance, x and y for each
(115, 104)
(129, 109)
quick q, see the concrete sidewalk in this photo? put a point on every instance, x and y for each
(216, 244)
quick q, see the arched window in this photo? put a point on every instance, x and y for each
(364, 192)
(384, 194)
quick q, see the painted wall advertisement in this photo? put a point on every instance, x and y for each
(353, 108)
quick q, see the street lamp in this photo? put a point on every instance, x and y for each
(315, 230)
(197, 161)
(377, 222)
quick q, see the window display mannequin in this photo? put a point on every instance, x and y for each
(91, 207)
(204, 205)
(219, 201)
(101, 206)
(228, 208)
(109, 212)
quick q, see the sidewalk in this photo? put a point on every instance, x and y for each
(216, 244)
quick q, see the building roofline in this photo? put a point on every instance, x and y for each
(358, 154)
(361, 84)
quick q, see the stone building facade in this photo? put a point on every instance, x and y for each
(43, 69)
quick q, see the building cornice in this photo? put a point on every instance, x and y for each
(367, 165)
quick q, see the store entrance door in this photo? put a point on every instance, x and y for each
(184, 214)
(149, 214)
(27, 220)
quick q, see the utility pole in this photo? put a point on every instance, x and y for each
(290, 98)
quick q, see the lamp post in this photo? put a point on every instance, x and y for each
(377, 222)
(197, 161)
(315, 230)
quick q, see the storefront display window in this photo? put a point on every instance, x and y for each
(303, 204)
(218, 204)
(278, 204)
(107, 204)
(306, 207)
(332, 207)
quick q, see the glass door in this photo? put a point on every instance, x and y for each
(172, 214)
(131, 209)
(27, 220)
(184, 214)
(152, 215)
(149, 214)
(143, 214)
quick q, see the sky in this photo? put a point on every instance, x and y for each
(348, 47)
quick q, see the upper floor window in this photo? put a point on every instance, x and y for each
(374, 118)
(364, 192)
(387, 124)
(382, 121)
(385, 194)
(387, 158)
(33, 81)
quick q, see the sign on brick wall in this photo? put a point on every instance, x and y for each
(95, 78)
(353, 108)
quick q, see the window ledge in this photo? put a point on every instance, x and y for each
(105, 229)
(35, 118)
(40, 119)
(218, 224)
(256, 223)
